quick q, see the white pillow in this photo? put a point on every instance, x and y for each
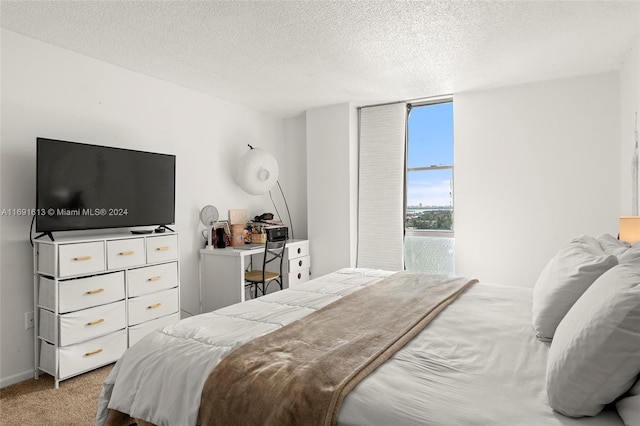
(563, 280)
(595, 354)
(629, 407)
(630, 255)
(612, 245)
(629, 410)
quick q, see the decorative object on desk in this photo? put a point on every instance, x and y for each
(237, 235)
(224, 224)
(238, 219)
(220, 238)
(247, 236)
(238, 216)
(209, 217)
(629, 229)
(222, 234)
(258, 236)
(263, 217)
(257, 173)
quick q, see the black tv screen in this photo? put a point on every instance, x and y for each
(82, 186)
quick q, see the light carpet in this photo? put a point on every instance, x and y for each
(37, 402)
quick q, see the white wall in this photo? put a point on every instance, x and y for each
(296, 167)
(51, 92)
(535, 166)
(629, 107)
(331, 187)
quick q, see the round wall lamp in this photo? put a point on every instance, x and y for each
(257, 171)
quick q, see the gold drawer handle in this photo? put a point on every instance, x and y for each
(165, 248)
(96, 322)
(100, 290)
(159, 277)
(82, 258)
(93, 352)
(126, 253)
(157, 305)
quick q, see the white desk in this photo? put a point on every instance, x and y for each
(222, 271)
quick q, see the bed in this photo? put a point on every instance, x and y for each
(478, 362)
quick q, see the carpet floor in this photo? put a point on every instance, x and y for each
(37, 402)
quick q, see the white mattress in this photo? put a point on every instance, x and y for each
(477, 363)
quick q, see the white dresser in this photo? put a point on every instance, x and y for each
(96, 296)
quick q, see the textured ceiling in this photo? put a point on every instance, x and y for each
(289, 56)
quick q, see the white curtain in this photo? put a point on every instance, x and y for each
(381, 187)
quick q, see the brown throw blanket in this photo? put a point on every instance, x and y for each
(299, 374)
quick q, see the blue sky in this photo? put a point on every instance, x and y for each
(430, 143)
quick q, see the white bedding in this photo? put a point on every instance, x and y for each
(477, 363)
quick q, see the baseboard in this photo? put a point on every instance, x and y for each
(16, 378)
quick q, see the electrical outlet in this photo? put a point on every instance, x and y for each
(28, 320)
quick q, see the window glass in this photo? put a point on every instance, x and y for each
(430, 199)
(431, 255)
(430, 130)
(429, 238)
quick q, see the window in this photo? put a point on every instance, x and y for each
(429, 237)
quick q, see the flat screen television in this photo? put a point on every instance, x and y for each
(82, 186)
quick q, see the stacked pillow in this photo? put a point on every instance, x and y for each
(612, 245)
(594, 356)
(629, 407)
(571, 271)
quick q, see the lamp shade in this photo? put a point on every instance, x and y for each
(257, 171)
(629, 229)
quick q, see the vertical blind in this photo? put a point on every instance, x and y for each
(381, 187)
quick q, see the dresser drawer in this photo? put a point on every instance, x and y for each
(125, 253)
(82, 325)
(298, 277)
(75, 359)
(137, 332)
(93, 322)
(162, 248)
(150, 279)
(300, 263)
(80, 258)
(81, 293)
(152, 306)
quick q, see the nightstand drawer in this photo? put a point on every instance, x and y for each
(90, 323)
(81, 258)
(125, 253)
(83, 356)
(81, 293)
(152, 306)
(162, 248)
(137, 332)
(152, 278)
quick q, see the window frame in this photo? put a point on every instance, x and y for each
(434, 233)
